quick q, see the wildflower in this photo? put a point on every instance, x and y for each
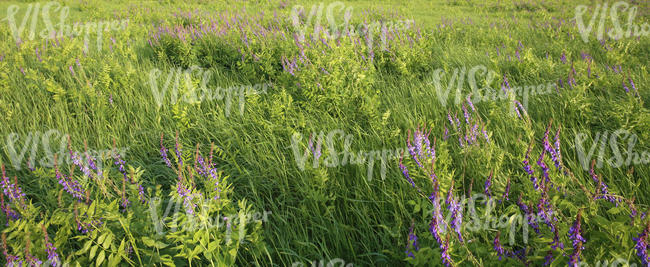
(444, 250)
(414, 150)
(563, 58)
(485, 134)
(545, 169)
(497, 245)
(12, 190)
(488, 183)
(11, 259)
(52, 256)
(627, 90)
(469, 101)
(412, 242)
(528, 211)
(576, 237)
(641, 246)
(71, 70)
(529, 169)
(465, 114)
(548, 259)
(69, 185)
(163, 152)
(405, 172)
(633, 86)
(10, 213)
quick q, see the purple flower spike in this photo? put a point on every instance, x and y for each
(578, 241)
(641, 246)
(497, 246)
(488, 183)
(412, 242)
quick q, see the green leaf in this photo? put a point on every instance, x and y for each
(92, 252)
(148, 241)
(108, 241)
(100, 258)
(85, 248)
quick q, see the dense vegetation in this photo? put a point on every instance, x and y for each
(298, 133)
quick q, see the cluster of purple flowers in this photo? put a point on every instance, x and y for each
(412, 242)
(575, 236)
(420, 144)
(497, 246)
(316, 151)
(70, 185)
(52, 256)
(641, 245)
(473, 122)
(602, 192)
(88, 227)
(119, 162)
(12, 190)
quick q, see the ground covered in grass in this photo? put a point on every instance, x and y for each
(304, 133)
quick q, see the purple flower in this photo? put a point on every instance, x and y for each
(469, 101)
(414, 150)
(563, 58)
(488, 183)
(465, 114)
(405, 172)
(627, 90)
(641, 246)
(12, 190)
(529, 169)
(412, 242)
(163, 153)
(485, 134)
(497, 246)
(633, 86)
(70, 185)
(52, 256)
(71, 70)
(576, 237)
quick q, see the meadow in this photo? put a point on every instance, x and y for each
(322, 133)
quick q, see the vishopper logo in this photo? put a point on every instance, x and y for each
(314, 147)
(304, 23)
(191, 221)
(617, 31)
(605, 263)
(191, 86)
(336, 262)
(59, 29)
(602, 141)
(50, 140)
(480, 78)
(489, 221)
